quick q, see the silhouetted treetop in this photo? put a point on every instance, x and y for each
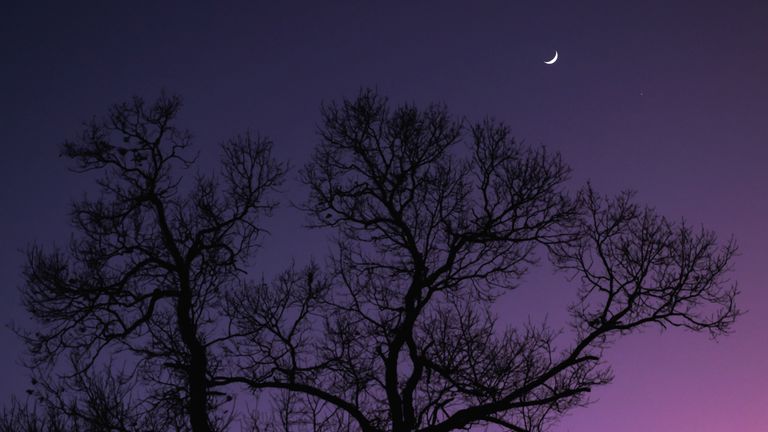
(146, 272)
(437, 217)
(434, 217)
(399, 181)
(637, 267)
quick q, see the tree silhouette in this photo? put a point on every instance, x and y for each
(435, 219)
(153, 252)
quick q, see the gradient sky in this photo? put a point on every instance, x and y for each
(666, 97)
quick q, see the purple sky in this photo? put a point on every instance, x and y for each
(666, 97)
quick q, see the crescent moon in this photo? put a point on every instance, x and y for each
(554, 59)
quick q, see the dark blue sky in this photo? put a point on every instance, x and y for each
(666, 97)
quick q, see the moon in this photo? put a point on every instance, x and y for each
(554, 59)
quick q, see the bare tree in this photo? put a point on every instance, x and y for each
(144, 277)
(436, 220)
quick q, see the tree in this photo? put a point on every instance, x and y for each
(142, 278)
(435, 219)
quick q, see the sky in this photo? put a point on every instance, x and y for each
(665, 97)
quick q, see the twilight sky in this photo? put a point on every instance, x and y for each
(666, 97)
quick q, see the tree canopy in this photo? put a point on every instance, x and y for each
(434, 218)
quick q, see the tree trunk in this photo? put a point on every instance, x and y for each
(198, 362)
